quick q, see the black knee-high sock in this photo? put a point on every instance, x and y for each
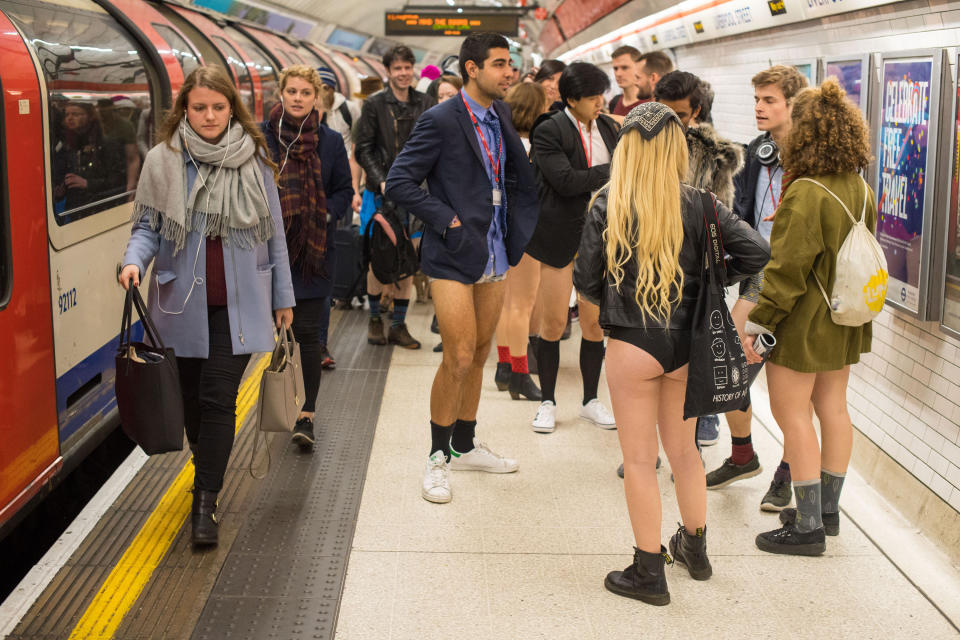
(548, 363)
(591, 360)
(462, 439)
(440, 438)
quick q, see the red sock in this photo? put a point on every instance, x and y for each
(742, 450)
(519, 364)
(503, 354)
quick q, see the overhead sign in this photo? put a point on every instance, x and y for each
(449, 23)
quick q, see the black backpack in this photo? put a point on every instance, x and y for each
(387, 247)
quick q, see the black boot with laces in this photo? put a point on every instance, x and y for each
(643, 580)
(691, 551)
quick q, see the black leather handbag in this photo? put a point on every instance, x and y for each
(718, 379)
(147, 384)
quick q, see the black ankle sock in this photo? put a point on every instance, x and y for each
(440, 439)
(548, 362)
(591, 360)
(463, 433)
(736, 440)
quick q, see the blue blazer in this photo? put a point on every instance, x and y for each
(337, 187)
(443, 150)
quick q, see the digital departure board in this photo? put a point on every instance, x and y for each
(448, 23)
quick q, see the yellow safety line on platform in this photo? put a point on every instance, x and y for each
(128, 579)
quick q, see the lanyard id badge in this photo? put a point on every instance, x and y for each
(497, 197)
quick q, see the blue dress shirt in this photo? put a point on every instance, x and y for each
(489, 125)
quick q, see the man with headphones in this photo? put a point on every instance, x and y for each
(758, 188)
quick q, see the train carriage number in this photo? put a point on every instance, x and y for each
(67, 300)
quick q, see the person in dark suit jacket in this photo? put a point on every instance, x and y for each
(480, 212)
(571, 150)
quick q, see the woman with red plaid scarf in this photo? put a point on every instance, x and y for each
(315, 190)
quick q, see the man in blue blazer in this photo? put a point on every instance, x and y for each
(479, 213)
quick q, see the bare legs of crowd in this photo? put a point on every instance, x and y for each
(397, 334)
(514, 331)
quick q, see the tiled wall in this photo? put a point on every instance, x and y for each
(905, 396)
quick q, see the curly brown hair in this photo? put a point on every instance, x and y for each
(828, 135)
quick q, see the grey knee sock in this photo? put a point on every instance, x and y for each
(808, 505)
(832, 484)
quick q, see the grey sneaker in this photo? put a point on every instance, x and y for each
(779, 496)
(729, 472)
(303, 433)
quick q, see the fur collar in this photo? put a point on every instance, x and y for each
(714, 161)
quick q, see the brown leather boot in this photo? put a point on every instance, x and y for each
(402, 338)
(375, 332)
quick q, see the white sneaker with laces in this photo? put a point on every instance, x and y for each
(482, 459)
(595, 412)
(546, 420)
(436, 479)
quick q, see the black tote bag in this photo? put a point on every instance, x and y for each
(147, 385)
(718, 380)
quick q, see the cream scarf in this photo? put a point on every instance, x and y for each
(228, 199)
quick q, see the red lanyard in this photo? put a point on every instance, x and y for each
(770, 183)
(483, 139)
(587, 151)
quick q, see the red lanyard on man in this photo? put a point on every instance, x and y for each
(587, 150)
(483, 139)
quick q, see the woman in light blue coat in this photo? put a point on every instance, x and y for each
(207, 212)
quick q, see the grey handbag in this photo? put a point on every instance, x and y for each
(281, 393)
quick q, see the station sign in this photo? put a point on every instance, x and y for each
(449, 23)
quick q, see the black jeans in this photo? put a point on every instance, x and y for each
(209, 386)
(309, 320)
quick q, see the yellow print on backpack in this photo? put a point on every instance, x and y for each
(875, 291)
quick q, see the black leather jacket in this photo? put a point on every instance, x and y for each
(384, 126)
(747, 253)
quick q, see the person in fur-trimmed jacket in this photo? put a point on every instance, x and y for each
(714, 161)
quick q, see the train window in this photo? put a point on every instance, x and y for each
(179, 47)
(263, 65)
(98, 87)
(243, 74)
(310, 57)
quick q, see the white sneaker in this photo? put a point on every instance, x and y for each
(482, 459)
(436, 479)
(595, 412)
(546, 420)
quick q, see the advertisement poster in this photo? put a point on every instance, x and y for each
(951, 294)
(904, 127)
(850, 75)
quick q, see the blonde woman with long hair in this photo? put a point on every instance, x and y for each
(641, 261)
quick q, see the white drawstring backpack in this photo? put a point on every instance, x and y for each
(860, 285)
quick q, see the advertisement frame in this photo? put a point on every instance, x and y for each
(951, 164)
(865, 77)
(935, 56)
(815, 65)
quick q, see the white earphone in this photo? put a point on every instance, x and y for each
(283, 110)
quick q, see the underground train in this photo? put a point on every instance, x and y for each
(91, 78)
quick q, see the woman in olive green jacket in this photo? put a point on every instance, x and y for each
(829, 142)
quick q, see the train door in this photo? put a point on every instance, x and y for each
(266, 67)
(100, 85)
(29, 454)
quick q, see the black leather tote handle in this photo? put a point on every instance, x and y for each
(150, 330)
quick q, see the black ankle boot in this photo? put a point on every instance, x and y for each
(644, 579)
(521, 384)
(502, 378)
(204, 517)
(691, 551)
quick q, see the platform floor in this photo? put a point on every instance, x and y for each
(524, 555)
(328, 545)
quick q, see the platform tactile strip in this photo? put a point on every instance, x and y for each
(285, 571)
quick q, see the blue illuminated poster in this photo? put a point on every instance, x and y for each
(850, 75)
(904, 133)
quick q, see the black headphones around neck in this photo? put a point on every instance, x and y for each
(768, 154)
